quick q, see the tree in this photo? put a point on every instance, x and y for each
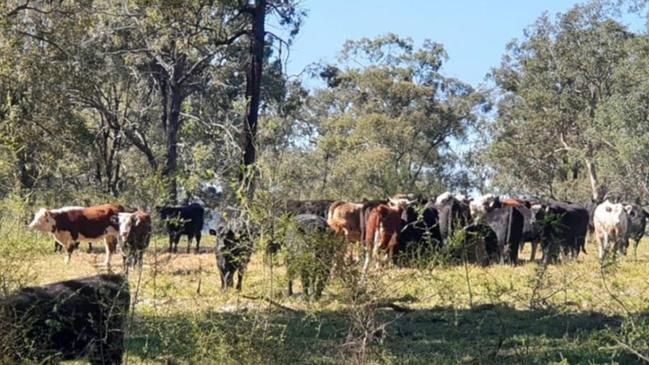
(549, 133)
(383, 122)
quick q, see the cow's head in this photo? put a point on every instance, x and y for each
(402, 200)
(43, 221)
(444, 198)
(480, 206)
(126, 222)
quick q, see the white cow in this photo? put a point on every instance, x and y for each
(610, 221)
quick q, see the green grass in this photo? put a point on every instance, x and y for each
(454, 314)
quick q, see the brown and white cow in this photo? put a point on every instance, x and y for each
(382, 233)
(134, 236)
(610, 221)
(70, 225)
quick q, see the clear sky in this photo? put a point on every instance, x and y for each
(474, 32)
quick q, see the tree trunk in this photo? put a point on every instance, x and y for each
(592, 176)
(253, 95)
(171, 165)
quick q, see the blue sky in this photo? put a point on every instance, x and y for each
(474, 32)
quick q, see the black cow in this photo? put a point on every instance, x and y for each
(564, 229)
(481, 243)
(453, 214)
(508, 224)
(68, 320)
(636, 225)
(233, 251)
(420, 232)
(311, 248)
(187, 220)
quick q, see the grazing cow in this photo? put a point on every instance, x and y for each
(420, 232)
(637, 224)
(233, 251)
(454, 214)
(71, 225)
(610, 221)
(563, 229)
(185, 220)
(383, 228)
(317, 207)
(68, 320)
(311, 248)
(134, 236)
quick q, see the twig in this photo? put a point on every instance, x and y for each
(270, 301)
(632, 350)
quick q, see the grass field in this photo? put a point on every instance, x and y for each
(572, 313)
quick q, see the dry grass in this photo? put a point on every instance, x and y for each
(461, 314)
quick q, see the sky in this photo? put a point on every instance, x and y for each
(473, 32)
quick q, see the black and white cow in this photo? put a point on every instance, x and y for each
(68, 320)
(636, 225)
(233, 250)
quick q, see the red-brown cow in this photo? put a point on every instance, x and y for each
(382, 232)
(71, 225)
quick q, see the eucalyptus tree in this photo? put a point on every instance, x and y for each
(384, 120)
(549, 136)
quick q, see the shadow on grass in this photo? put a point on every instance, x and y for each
(489, 334)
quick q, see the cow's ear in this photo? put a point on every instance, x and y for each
(628, 208)
(135, 219)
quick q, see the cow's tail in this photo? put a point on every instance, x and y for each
(332, 209)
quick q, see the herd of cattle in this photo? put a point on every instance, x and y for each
(403, 225)
(84, 318)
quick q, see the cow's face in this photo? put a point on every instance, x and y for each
(43, 221)
(480, 206)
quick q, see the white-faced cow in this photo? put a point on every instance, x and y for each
(611, 222)
(71, 225)
(134, 236)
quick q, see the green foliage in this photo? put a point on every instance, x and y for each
(571, 123)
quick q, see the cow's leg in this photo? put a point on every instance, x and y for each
(89, 247)
(368, 254)
(600, 245)
(239, 278)
(198, 242)
(176, 241)
(635, 248)
(534, 244)
(171, 243)
(189, 242)
(222, 275)
(57, 246)
(111, 244)
(69, 248)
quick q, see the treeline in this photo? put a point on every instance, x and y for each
(148, 101)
